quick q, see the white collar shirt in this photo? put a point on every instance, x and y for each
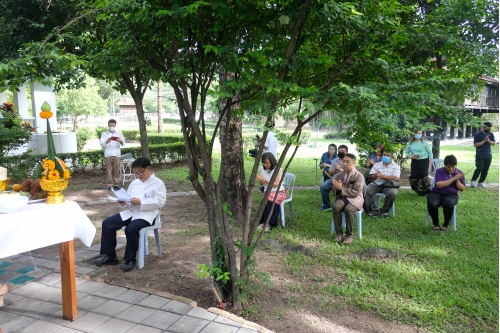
(113, 147)
(393, 169)
(153, 195)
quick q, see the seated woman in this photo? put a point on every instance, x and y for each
(266, 171)
(377, 156)
(449, 180)
(326, 160)
(374, 158)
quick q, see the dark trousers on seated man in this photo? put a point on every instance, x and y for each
(349, 209)
(108, 236)
(390, 197)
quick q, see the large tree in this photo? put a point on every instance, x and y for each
(269, 56)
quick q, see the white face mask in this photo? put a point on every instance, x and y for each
(111, 129)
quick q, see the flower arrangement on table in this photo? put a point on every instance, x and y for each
(52, 172)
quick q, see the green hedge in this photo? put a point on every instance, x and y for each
(130, 134)
(20, 166)
(155, 138)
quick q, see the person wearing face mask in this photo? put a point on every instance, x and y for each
(335, 168)
(420, 154)
(449, 181)
(483, 142)
(112, 141)
(327, 159)
(380, 173)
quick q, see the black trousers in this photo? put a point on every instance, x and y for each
(482, 167)
(108, 235)
(273, 221)
(448, 201)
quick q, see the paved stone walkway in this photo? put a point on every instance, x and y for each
(36, 307)
(33, 303)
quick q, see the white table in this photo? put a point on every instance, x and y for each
(39, 225)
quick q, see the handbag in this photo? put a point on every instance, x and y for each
(391, 184)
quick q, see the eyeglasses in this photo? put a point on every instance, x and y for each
(139, 173)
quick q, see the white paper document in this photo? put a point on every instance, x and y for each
(121, 194)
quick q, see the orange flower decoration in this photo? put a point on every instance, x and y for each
(61, 162)
(46, 114)
(49, 164)
(53, 175)
(8, 104)
(66, 173)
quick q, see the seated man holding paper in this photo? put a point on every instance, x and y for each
(146, 196)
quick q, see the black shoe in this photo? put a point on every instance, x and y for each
(106, 260)
(385, 215)
(373, 214)
(128, 265)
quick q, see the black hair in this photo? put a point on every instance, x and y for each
(450, 160)
(334, 146)
(270, 157)
(345, 147)
(112, 121)
(141, 162)
(351, 156)
(487, 124)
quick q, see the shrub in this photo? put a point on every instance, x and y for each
(83, 135)
(334, 135)
(155, 138)
(130, 134)
(99, 130)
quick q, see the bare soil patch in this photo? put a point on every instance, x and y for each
(285, 307)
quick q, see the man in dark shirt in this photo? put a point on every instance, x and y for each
(483, 142)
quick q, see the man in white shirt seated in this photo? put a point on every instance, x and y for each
(380, 173)
(148, 197)
(112, 141)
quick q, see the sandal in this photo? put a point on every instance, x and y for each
(444, 229)
(436, 228)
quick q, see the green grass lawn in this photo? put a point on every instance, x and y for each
(444, 282)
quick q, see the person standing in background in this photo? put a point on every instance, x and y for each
(420, 154)
(112, 141)
(483, 142)
(271, 144)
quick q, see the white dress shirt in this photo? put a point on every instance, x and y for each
(153, 195)
(271, 143)
(113, 147)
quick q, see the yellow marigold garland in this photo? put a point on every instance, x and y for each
(49, 164)
(66, 173)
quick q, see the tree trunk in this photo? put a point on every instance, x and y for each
(160, 110)
(142, 125)
(233, 189)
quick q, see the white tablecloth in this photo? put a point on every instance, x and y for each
(39, 225)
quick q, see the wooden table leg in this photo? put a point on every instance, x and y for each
(68, 280)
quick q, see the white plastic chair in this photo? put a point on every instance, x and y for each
(143, 241)
(377, 203)
(453, 217)
(359, 219)
(288, 182)
(437, 163)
